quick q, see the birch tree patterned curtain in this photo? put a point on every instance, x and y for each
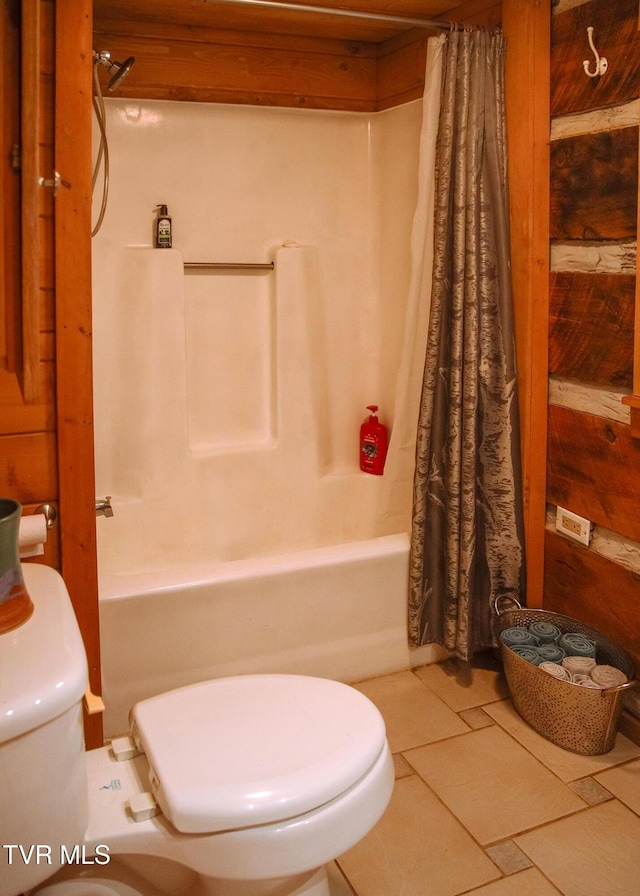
(467, 541)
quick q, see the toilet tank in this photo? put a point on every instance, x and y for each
(43, 677)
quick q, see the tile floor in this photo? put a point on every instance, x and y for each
(483, 805)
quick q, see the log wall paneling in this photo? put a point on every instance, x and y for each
(594, 469)
(400, 70)
(593, 461)
(594, 186)
(591, 327)
(633, 400)
(236, 67)
(586, 586)
(615, 24)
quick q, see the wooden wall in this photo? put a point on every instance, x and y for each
(526, 25)
(207, 65)
(593, 462)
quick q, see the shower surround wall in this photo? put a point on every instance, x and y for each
(228, 405)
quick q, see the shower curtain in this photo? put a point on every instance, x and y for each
(467, 542)
(397, 482)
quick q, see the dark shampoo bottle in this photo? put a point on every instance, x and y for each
(163, 229)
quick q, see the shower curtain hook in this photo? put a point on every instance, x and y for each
(601, 62)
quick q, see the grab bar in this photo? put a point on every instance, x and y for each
(227, 265)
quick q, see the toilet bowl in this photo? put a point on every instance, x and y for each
(248, 785)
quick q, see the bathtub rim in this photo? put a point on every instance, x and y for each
(122, 586)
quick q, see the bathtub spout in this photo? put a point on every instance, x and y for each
(103, 506)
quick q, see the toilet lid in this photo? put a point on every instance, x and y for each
(254, 749)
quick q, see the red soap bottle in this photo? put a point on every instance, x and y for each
(373, 444)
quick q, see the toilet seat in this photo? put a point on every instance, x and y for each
(249, 750)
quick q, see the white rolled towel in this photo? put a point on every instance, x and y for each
(589, 683)
(556, 670)
(607, 676)
(579, 678)
(578, 665)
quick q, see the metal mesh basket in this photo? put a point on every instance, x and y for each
(583, 720)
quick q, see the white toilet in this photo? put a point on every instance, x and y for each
(245, 785)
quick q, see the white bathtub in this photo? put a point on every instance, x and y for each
(337, 612)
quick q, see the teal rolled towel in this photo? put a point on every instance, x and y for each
(518, 636)
(530, 654)
(551, 653)
(545, 632)
(576, 644)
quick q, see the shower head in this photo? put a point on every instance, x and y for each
(117, 70)
(122, 69)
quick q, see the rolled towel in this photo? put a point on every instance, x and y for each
(545, 632)
(589, 683)
(607, 676)
(576, 644)
(530, 654)
(518, 636)
(579, 678)
(551, 653)
(556, 670)
(578, 665)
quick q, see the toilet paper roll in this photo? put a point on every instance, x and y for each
(32, 535)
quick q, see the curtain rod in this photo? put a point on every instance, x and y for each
(349, 13)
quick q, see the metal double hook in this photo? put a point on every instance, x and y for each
(601, 62)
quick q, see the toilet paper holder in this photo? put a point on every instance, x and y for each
(50, 513)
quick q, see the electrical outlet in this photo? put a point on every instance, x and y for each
(573, 526)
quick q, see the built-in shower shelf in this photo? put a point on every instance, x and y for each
(227, 266)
